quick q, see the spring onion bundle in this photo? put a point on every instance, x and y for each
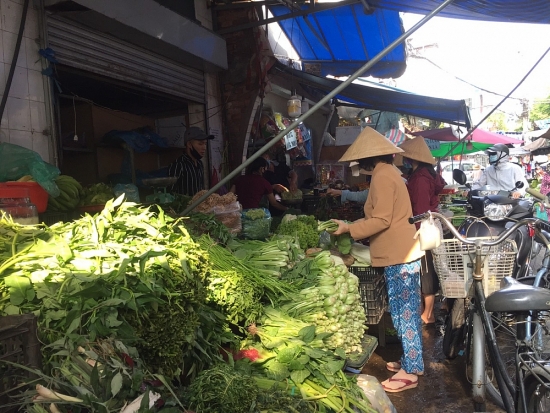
(241, 295)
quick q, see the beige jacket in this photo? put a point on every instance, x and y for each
(387, 211)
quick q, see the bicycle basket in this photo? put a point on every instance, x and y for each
(454, 264)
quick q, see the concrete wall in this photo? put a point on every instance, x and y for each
(24, 121)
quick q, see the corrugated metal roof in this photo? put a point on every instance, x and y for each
(340, 40)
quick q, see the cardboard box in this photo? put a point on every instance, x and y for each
(346, 135)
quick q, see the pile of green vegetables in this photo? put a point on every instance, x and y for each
(291, 354)
(332, 304)
(304, 227)
(238, 288)
(342, 241)
(256, 223)
(126, 273)
(96, 194)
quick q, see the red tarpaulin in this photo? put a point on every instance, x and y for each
(478, 135)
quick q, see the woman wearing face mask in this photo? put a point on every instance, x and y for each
(252, 187)
(392, 246)
(424, 186)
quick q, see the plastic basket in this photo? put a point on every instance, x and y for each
(18, 344)
(357, 360)
(372, 288)
(454, 264)
(367, 274)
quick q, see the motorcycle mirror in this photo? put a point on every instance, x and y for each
(519, 184)
(459, 176)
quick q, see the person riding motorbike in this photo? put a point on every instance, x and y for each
(501, 174)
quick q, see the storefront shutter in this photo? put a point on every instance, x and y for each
(89, 50)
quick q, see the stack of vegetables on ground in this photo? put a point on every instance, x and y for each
(333, 304)
(125, 273)
(148, 304)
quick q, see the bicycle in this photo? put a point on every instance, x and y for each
(524, 302)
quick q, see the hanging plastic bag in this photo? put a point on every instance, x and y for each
(429, 234)
(18, 161)
(541, 212)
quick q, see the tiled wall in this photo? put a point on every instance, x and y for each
(24, 121)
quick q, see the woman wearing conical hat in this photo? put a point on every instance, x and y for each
(392, 246)
(424, 186)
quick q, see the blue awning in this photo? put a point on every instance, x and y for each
(453, 112)
(512, 11)
(340, 40)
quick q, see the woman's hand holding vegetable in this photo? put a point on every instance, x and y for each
(343, 227)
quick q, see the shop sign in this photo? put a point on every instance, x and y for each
(432, 144)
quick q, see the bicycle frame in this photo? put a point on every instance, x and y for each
(483, 334)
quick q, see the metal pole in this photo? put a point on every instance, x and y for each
(319, 104)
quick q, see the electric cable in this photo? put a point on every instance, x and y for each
(9, 80)
(500, 103)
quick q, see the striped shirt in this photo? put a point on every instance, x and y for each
(190, 175)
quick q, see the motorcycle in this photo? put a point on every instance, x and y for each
(492, 212)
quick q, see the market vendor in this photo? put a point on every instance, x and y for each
(252, 187)
(354, 196)
(188, 168)
(280, 175)
(392, 246)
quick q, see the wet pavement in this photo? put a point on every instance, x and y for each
(443, 388)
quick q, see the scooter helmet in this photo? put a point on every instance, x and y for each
(497, 153)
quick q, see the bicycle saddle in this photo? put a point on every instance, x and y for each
(517, 297)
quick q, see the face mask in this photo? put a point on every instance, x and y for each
(407, 164)
(195, 154)
(493, 158)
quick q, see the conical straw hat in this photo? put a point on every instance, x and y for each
(418, 150)
(368, 144)
(398, 159)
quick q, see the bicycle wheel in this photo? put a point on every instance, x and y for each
(506, 339)
(537, 396)
(506, 342)
(453, 338)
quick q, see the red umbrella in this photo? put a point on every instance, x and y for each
(478, 135)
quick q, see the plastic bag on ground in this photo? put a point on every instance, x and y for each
(375, 393)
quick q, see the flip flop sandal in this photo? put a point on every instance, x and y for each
(407, 384)
(395, 366)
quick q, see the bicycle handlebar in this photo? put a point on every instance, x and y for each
(476, 241)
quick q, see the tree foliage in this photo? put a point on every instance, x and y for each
(540, 110)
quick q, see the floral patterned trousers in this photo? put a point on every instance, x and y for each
(403, 284)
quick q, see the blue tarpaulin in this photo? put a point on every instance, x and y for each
(340, 40)
(450, 111)
(511, 11)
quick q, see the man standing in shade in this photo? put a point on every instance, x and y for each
(188, 168)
